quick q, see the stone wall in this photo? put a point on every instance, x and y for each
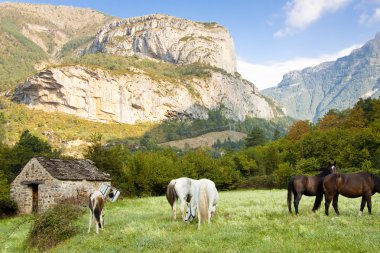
(51, 191)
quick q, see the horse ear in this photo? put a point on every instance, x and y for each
(334, 163)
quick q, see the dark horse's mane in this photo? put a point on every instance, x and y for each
(324, 172)
(376, 179)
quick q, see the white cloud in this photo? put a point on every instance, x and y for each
(269, 75)
(302, 13)
(370, 19)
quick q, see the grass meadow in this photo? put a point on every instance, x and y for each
(246, 221)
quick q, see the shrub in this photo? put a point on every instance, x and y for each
(54, 226)
(7, 208)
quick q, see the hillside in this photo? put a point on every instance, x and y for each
(205, 140)
(312, 92)
(33, 36)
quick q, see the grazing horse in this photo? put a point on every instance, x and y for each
(205, 199)
(179, 188)
(356, 185)
(309, 186)
(96, 204)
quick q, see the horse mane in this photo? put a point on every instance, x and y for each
(324, 172)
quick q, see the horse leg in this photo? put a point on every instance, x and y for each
(362, 205)
(89, 224)
(174, 209)
(297, 201)
(210, 211)
(335, 203)
(327, 203)
(182, 208)
(369, 203)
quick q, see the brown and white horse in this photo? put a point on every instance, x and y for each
(96, 204)
(179, 189)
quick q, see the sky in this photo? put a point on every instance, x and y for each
(271, 37)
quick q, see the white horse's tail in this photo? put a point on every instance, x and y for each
(203, 202)
(171, 194)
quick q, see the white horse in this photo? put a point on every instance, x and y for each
(205, 199)
(181, 189)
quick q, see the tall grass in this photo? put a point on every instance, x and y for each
(246, 221)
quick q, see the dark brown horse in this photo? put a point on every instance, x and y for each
(309, 186)
(356, 185)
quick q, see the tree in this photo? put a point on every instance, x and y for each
(299, 129)
(356, 118)
(332, 119)
(26, 148)
(32, 143)
(256, 137)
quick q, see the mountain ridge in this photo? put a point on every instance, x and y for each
(313, 91)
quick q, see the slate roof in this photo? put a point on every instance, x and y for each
(73, 170)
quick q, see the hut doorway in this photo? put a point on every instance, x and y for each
(34, 197)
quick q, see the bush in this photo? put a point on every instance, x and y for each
(54, 226)
(7, 208)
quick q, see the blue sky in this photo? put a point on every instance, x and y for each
(271, 37)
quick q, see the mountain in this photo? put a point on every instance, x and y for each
(169, 39)
(312, 92)
(146, 69)
(33, 36)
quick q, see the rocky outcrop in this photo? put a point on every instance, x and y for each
(312, 92)
(98, 95)
(169, 39)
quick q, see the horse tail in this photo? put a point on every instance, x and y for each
(171, 194)
(98, 203)
(318, 199)
(203, 202)
(290, 190)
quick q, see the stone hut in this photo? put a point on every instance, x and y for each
(44, 182)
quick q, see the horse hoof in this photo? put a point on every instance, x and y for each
(360, 213)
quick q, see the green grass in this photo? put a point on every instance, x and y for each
(246, 221)
(161, 71)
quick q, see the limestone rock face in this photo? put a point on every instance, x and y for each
(98, 95)
(169, 39)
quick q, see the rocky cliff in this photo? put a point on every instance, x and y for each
(96, 94)
(169, 39)
(312, 92)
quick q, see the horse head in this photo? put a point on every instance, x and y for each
(332, 167)
(190, 213)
